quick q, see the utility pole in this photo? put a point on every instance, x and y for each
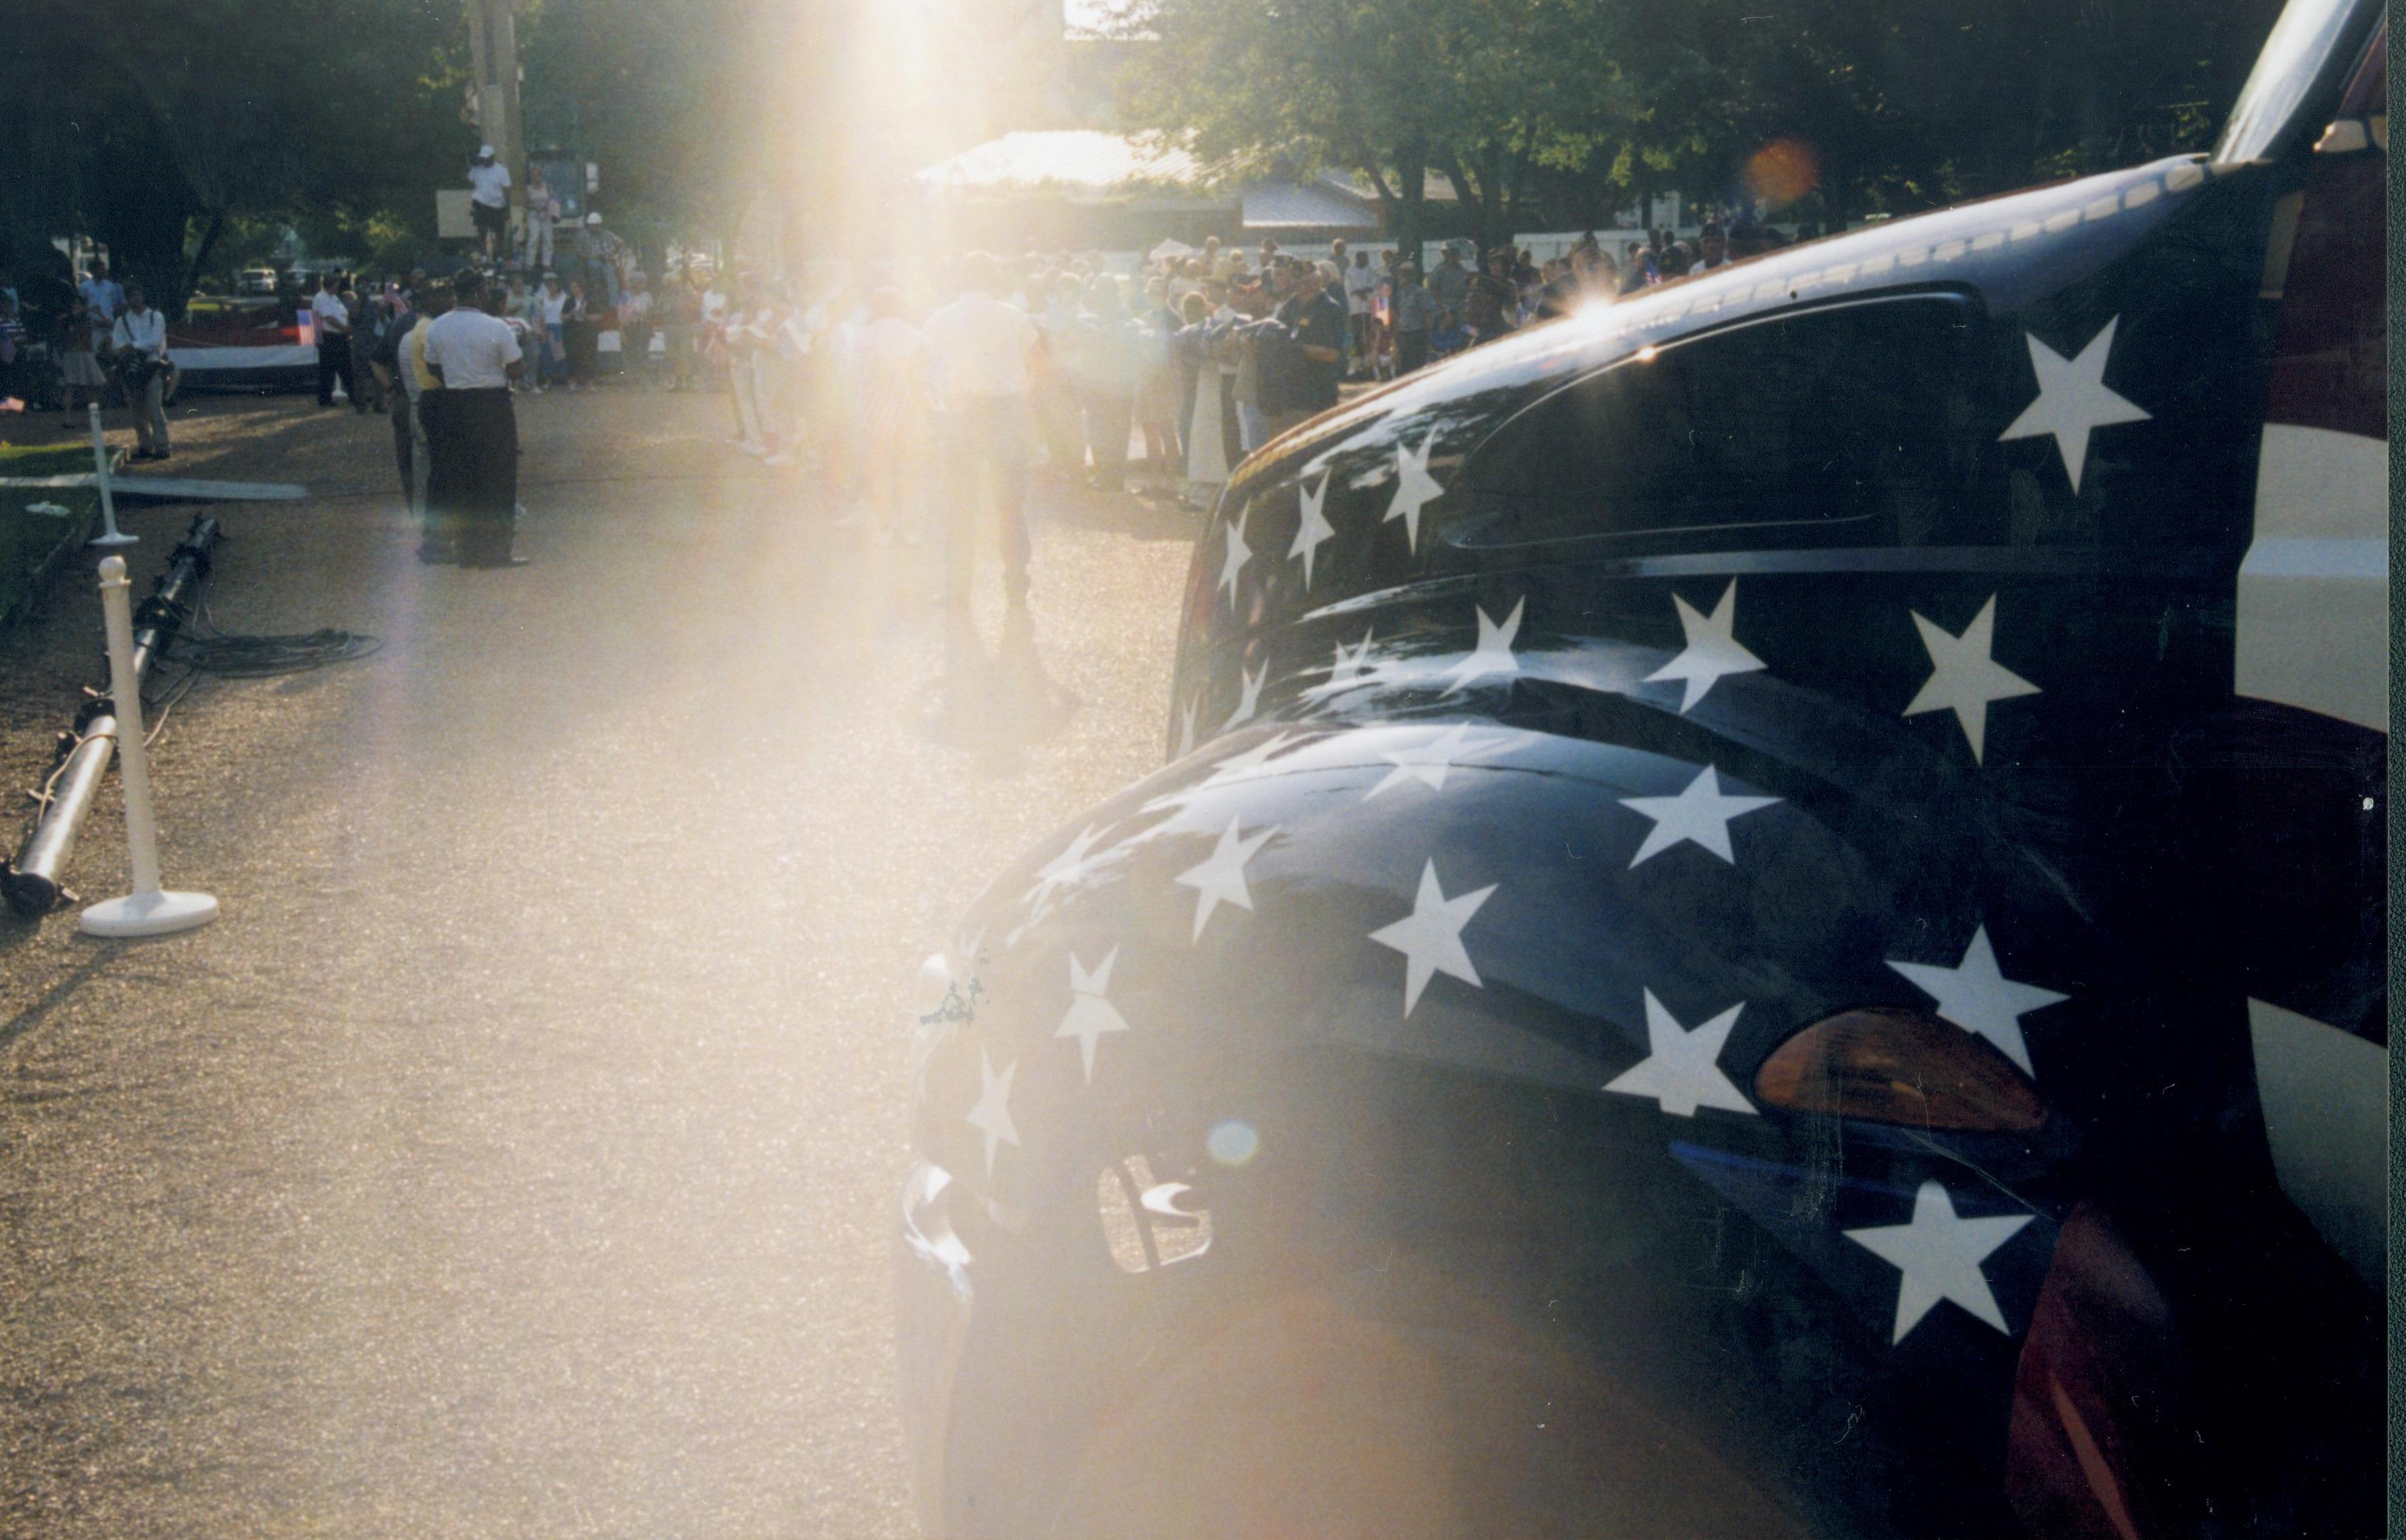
(493, 54)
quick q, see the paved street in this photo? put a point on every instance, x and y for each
(515, 1157)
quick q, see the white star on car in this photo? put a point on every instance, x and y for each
(1351, 667)
(2073, 400)
(1699, 815)
(1429, 762)
(1091, 1015)
(991, 1116)
(1068, 868)
(1238, 553)
(1494, 654)
(1249, 695)
(1415, 488)
(1313, 530)
(1236, 767)
(1938, 1257)
(1193, 814)
(1963, 678)
(1681, 1069)
(1221, 876)
(1977, 995)
(1711, 652)
(1430, 938)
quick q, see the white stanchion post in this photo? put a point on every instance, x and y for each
(146, 912)
(109, 535)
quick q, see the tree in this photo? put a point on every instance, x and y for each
(1471, 89)
(157, 125)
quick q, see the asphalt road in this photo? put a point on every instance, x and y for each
(517, 1156)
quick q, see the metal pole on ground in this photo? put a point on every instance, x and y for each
(148, 910)
(34, 883)
(110, 534)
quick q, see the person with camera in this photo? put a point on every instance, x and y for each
(138, 350)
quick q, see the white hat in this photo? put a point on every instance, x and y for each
(594, 217)
(484, 152)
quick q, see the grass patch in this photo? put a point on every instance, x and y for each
(37, 524)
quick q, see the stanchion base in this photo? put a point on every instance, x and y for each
(119, 539)
(149, 914)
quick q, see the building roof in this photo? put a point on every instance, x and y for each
(1307, 206)
(1435, 187)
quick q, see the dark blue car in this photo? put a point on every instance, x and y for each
(1767, 919)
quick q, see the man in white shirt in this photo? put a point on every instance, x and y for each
(889, 366)
(330, 319)
(978, 373)
(138, 340)
(489, 200)
(472, 490)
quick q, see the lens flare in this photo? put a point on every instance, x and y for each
(1232, 1142)
(1782, 172)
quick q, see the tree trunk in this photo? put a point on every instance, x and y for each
(199, 263)
(1477, 191)
(1411, 210)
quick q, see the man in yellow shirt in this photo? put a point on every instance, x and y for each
(417, 380)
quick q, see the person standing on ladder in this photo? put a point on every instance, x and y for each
(542, 212)
(489, 202)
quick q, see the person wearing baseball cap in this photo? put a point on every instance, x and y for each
(489, 201)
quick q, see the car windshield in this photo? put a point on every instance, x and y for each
(2293, 59)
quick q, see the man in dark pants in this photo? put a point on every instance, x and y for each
(978, 353)
(331, 321)
(472, 433)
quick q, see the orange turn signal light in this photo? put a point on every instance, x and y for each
(1885, 1064)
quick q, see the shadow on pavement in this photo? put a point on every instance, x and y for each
(1080, 504)
(998, 704)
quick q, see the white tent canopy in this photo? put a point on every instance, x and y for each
(1071, 162)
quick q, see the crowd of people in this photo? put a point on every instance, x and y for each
(1156, 381)
(67, 343)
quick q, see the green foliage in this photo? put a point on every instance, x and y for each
(31, 541)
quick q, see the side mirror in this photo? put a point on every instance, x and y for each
(2353, 135)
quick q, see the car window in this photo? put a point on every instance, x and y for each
(1828, 415)
(2330, 357)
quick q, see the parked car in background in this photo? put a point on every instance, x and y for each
(1767, 918)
